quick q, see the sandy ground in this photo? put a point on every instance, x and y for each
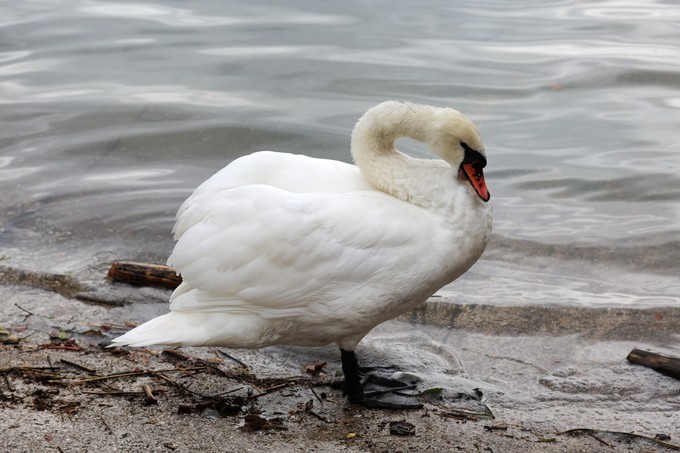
(500, 379)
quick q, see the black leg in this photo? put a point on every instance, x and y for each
(350, 368)
(383, 391)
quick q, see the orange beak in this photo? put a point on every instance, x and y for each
(474, 174)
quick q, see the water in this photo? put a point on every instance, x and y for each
(111, 113)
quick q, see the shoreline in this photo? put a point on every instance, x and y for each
(541, 382)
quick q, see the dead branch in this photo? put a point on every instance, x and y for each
(670, 366)
(143, 274)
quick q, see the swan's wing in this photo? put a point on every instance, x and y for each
(262, 249)
(290, 172)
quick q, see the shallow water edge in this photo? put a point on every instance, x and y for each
(655, 324)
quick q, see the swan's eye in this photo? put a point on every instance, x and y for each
(472, 156)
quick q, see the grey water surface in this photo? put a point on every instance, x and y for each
(112, 112)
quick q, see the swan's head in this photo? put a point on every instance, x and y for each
(446, 132)
(456, 140)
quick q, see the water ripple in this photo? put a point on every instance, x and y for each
(184, 17)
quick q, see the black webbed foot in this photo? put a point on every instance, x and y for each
(370, 390)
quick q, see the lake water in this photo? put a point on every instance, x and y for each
(112, 112)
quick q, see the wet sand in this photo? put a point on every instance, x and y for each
(540, 372)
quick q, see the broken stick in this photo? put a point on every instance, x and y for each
(670, 366)
(144, 274)
(149, 397)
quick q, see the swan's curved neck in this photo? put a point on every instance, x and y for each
(378, 129)
(374, 151)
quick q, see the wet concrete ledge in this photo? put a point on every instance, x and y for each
(65, 285)
(613, 323)
(619, 323)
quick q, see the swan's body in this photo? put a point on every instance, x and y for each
(287, 249)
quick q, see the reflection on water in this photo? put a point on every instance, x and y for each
(113, 112)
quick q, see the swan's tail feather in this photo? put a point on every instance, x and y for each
(196, 329)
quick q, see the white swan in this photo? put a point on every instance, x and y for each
(286, 249)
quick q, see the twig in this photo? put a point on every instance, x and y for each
(320, 417)
(178, 385)
(82, 367)
(233, 359)
(114, 393)
(10, 387)
(61, 347)
(126, 374)
(269, 390)
(176, 355)
(22, 369)
(188, 390)
(215, 368)
(599, 440)
(451, 412)
(28, 313)
(315, 394)
(106, 424)
(28, 336)
(621, 433)
(148, 395)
